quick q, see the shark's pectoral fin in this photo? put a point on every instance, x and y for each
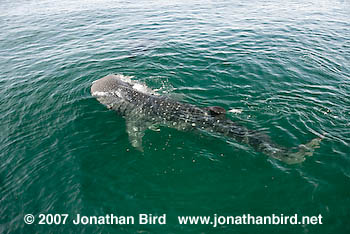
(136, 127)
(135, 135)
(136, 130)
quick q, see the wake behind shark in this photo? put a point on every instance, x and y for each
(144, 109)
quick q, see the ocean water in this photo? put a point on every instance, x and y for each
(284, 64)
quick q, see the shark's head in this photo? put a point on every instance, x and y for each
(109, 84)
(113, 89)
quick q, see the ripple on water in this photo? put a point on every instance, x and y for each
(284, 64)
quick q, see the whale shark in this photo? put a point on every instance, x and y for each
(145, 109)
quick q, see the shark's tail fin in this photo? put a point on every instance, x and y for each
(304, 151)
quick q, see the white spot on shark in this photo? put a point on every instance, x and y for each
(100, 94)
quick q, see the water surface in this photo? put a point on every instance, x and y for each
(285, 64)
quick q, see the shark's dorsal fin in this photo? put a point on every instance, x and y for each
(216, 111)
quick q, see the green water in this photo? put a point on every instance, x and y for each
(285, 64)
